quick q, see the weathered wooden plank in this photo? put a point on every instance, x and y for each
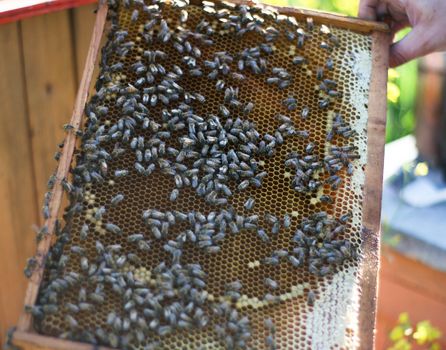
(83, 23)
(30, 341)
(13, 10)
(64, 164)
(18, 203)
(376, 127)
(50, 84)
(407, 285)
(322, 17)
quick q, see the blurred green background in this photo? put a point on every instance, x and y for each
(402, 84)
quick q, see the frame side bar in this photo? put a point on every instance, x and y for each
(337, 20)
(33, 341)
(321, 17)
(370, 234)
(24, 323)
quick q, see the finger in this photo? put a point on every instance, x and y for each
(382, 10)
(367, 9)
(413, 45)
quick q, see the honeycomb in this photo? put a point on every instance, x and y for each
(276, 305)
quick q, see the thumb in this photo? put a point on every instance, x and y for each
(413, 45)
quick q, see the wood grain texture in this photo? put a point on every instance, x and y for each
(18, 202)
(413, 275)
(83, 24)
(64, 165)
(13, 10)
(376, 126)
(407, 285)
(332, 19)
(336, 20)
(50, 84)
(32, 341)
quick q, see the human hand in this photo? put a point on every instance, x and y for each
(426, 17)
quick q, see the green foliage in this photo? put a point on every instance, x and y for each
(402, 85)
(404, 335)
(401, 109)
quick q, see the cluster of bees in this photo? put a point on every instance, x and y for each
(217, 156)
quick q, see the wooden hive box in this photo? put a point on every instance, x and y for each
(343, 312)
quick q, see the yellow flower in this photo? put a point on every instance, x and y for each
(403, 318)
(421, 169)
(397, 333)
(393, 74)
(426, 333)
(393, 92)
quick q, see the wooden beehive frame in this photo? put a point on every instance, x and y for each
(25, 337)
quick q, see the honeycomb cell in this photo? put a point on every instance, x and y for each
(323, 325)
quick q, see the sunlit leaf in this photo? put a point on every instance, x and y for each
(310, 4)
(403, 318)
(346, 7)
(435, 346)
(397, 333)
(277, 2)
(401, 344)
(407, 83)
(402, 33)
(421, 334)
(433, 333)
(426, 333)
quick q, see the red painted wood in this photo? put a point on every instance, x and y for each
(13, 10)
(406, 285)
